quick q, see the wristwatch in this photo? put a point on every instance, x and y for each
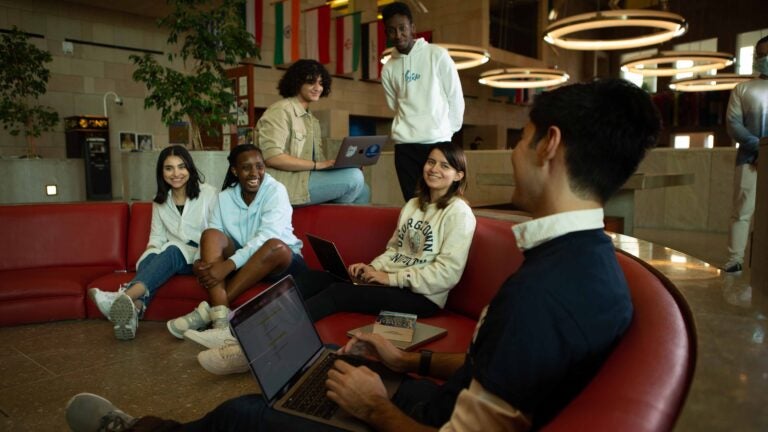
(424, 362)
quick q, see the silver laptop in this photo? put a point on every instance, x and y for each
(287, 357)
(357, 151)
(331, 261)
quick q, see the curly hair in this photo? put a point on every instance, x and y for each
(396, 8)
(302, 72)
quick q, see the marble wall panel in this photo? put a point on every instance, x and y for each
(721, 189)
(687, 206)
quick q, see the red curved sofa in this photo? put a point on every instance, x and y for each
(52, 253)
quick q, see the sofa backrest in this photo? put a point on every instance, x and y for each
(493, 257)
(643, 383)
(79, 234)
(139, 225)
(360, 233)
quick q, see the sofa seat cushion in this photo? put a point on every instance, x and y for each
(44, 294)
(47, 282)
(333, 329)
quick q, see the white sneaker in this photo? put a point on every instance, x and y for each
(212, 338)
(123, 313)
(224, 360)
(195, 320)
(103, 299)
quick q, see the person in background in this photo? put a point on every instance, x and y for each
(747, 122)
(476, 144)
(289, 137)
(422, 87)
(249, 239)
(550, 326)
(180, 211)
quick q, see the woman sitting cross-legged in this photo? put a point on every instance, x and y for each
(179, 215)
(249, 239)
(424, 258)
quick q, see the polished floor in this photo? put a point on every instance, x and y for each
(43, 365)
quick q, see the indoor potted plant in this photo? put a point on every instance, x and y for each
(25, 79)
(211, 39)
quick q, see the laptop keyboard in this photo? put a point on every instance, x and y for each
(310, 397)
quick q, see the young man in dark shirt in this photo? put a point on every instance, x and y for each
(552, 323)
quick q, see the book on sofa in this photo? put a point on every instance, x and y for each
(402, 329)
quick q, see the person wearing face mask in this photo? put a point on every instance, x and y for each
(289, 137)
(747, 122)
(422, 87)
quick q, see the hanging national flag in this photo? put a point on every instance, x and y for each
(317, 33)
(347, 43)
(374, 44)
(286, 31)
(254, 19)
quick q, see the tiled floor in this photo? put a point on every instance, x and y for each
(43, 365)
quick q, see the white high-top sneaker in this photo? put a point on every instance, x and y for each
(195, 320)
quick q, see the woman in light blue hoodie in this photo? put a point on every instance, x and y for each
(249, 239)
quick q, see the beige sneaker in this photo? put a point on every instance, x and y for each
(219, 316)
(224, 360)
(211, 338)
(195, 320)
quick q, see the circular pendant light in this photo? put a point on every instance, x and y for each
(463, 56)
(664, 63)
(709, 83)
(523, 78)
(663, 27)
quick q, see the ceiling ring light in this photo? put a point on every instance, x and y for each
(709, 83)
(523, 78)
(463, 56)
(664, 26)
(663, 64)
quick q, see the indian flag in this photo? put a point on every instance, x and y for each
(347, 43)
(286, 31)
(317, 33)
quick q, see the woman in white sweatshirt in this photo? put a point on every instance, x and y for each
(180, 213)
(425, 257)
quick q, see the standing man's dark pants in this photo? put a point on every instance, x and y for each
(409, 164)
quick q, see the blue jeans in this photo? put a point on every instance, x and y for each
(155, 269)
(339, 186)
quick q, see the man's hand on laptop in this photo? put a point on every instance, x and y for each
(375, 347)
(357, 390)
(322, 165)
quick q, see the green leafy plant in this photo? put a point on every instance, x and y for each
(24, 79)
(211, 39)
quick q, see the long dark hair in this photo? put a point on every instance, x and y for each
(230, 180)
(195, 177)
(458, 161)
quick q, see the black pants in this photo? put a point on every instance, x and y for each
(324, 295)
(409, 164)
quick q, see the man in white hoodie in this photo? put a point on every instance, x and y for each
(423, 89)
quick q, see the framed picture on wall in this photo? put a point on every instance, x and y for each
(128, 141)
(145, 142)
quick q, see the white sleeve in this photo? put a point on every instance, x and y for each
(158, 236)
(389, 90)
(451, 84)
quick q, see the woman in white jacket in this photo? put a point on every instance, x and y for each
(180, 212)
